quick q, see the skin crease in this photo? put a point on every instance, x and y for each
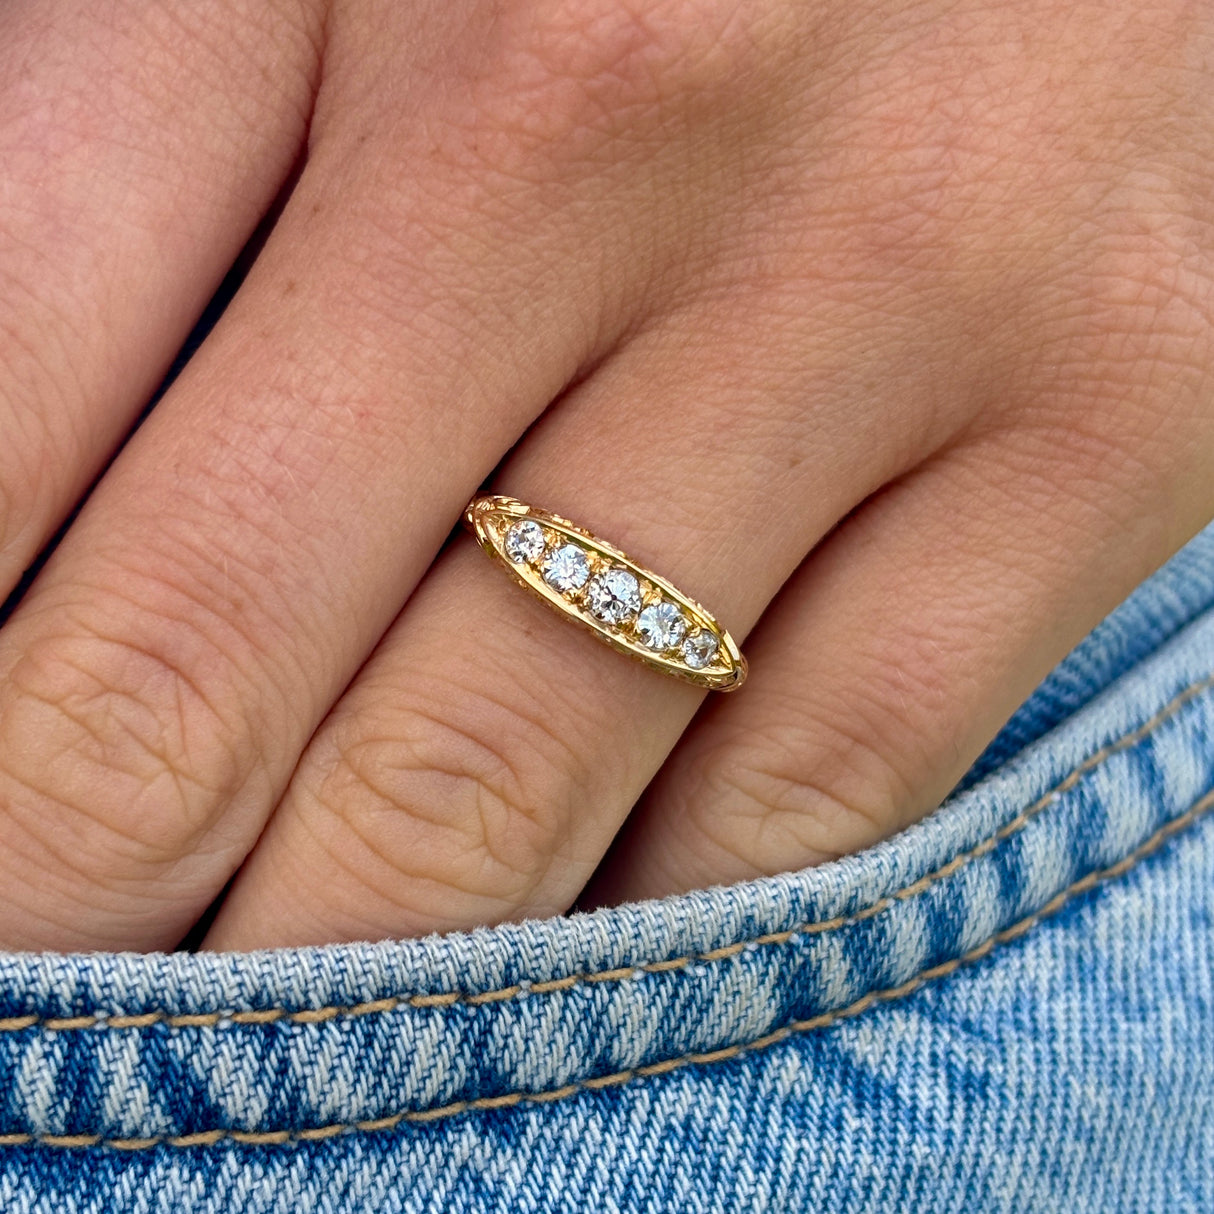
(883, 329)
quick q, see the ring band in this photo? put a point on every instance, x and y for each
(622, 603)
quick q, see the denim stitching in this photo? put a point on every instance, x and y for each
(208, 1138)
(15, 1024)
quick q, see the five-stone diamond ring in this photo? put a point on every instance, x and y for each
(623, 604)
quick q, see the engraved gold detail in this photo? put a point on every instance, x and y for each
(595, 584)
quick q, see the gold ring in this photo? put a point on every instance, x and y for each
(622, 603)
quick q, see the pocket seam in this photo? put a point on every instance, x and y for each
(209, 1138)
(223, 1019)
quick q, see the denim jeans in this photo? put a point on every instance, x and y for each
(1009, 1006)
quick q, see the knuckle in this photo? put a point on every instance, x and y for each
(792, 795)
(457, 791)
(128, 723)
(570, 67)
(649, 46)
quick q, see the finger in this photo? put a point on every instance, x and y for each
(896, 653)
(422, 298)
(479, 765)
(139, 146)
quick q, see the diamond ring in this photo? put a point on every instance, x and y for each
(622, 603)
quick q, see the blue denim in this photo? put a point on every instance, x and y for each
(1009, 1006)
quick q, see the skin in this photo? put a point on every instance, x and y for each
(881, 328)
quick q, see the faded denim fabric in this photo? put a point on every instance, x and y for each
(1009, 1006)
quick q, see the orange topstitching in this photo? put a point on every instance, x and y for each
(207, 1138)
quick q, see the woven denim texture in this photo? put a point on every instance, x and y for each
(1009, 1006)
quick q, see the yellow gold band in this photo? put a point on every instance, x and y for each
(622, 603)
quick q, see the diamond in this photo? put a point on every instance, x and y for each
(661, 626)
(700, 648)
(567, 569)
(524, 541)
(614, 596)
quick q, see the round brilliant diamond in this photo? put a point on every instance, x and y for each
(524, 542)
(661, 626)
(567, 569)
(613, 596)
(700, 648)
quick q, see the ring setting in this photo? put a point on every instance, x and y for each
(588, 580)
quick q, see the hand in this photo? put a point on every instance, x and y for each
(882, 329)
